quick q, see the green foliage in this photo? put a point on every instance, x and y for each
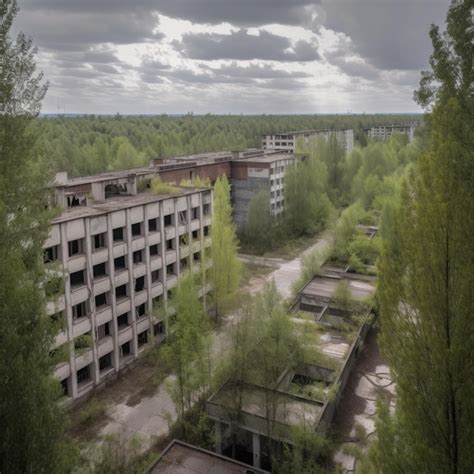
(260, 230)
(310, 267)
(307, 207)
(93, 410)
(342, 296)
(226, 268)
(158, 188)
(365, 249)
(90, 144)
(426, 277)
(196, 183)
(82, 343)
(60, 354)
(187, 352)
(32, 424)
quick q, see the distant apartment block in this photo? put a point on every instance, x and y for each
(288, 141)
(121, 251)
(384, 132)
(249, 172)
(251, 175)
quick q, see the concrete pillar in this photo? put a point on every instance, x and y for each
(256, 449)
(218, 428)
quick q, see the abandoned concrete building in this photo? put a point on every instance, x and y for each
(117, 253)
(384, 132)
(308, 394)
(122, 249)
(288, 141)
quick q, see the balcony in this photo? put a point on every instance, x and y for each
(83, 359)
(105, 345)
(100, 256)
(103, 315)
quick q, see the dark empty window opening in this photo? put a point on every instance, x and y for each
(183, 217)
(155, 276)
(206, 231)
(100, 270)
(76, 200)
(154, 250)
(137, 229)
(157, 301)
(170, 269)
(140, 284)
(140, 310)
(103, 331)
(168, 221)
(195, 234)
(105, 362)
(83, 375)
(79, 310)
(118, 234)
(101, 300)
(183, 264)
(99, 241)
(170, 244)
(121, 292)
(120, 263)
(183, 240)
(65, 387)
(206, 209)
(122, 321)
(75, 247)
(115, 190)
(51, 254)
(137, 257)
(142, 338)
(125, 349)
(152, 225)
(197, 257)
(78, 278)
(159, 328)
(195, 213)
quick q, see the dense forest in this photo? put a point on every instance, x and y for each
(90, 144)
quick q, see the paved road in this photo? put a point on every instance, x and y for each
(151, 416)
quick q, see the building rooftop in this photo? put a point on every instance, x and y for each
(183, 458)
(324, 287)
(270, 158)
(105, 176)
(119, 202)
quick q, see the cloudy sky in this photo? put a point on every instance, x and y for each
(231, 56)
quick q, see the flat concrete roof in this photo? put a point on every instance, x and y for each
(183, 458)
(291, 410)
(325, 286)
(268, 158)
(105, 176)
(118, 203)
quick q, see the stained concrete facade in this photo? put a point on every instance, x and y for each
(120, 252)
(288, 141)
(384, 132)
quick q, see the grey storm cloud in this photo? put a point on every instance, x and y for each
(241, 45)
(389, 34)
(154, 72)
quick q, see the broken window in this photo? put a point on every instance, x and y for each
(76, 247)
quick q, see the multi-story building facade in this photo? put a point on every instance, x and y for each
(288, 141)
(384, 132)
(121, 252)
(251, 175)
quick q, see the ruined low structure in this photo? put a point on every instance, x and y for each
(183, 458)
(310, 393)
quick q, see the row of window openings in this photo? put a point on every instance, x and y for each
(52, 253)
(76, 247)
(84, 375)
(78, 278)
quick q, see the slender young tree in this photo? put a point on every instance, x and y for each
(226, 268)
(426, 285)
(31, 434)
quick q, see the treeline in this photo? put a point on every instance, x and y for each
(325, 182)
(90, 144)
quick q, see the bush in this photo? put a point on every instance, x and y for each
(157, 187)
